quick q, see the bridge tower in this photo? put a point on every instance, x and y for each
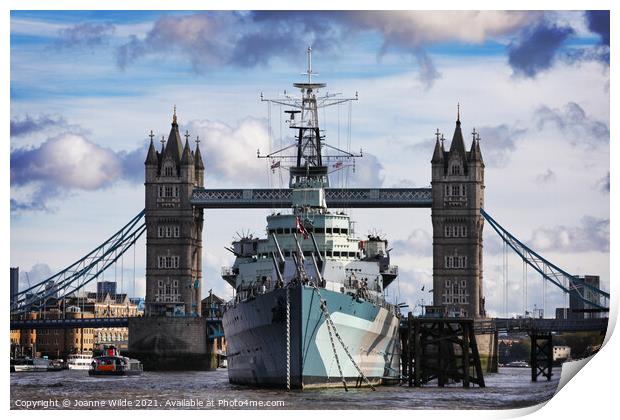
(458, 194)
(174, 227)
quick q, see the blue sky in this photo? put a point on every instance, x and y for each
(86, 88)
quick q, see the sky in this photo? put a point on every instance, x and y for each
(86, 87)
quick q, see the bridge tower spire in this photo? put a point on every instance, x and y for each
(458, 194)
(173, 228)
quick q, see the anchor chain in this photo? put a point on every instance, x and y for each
(288, 339)
(331, 339)
(329, 322)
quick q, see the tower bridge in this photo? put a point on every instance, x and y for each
(175, 201)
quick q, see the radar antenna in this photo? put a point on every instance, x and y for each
(308, 168)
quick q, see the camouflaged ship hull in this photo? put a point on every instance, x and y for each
(255, 331)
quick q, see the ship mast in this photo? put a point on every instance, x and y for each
(308, 169)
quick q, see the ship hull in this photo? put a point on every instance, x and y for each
(255, 332)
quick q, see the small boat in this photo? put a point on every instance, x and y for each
(518, 364)
(30, 365)
(113, 364)
(79, 361)
(221, 359)
(56, 365)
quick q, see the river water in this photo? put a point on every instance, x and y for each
(510, 388)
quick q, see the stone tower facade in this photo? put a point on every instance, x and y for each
(458, 194)
(173, 227)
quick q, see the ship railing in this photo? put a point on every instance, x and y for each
(228, 271)
(374, 298)
(392, 269)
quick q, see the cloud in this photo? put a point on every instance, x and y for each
(229, 154)
(416, 28)
(36, 274)
(19, 206)
(419, 242)
(427, 73)
(84, 35)
(281, 33)
(202, 37)
(591, 235)
(546, 177)
(67, 160)
(603, 184)
(493, 245)
(403, 183)
(248, 39)
(211, 39)
(368, 173)
(537, 48)
(27, 124)
(498, 142)
(229, 151)
(598, 22)
(132, 164)
(65, 163)
(575, 124)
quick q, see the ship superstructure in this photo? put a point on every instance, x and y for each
(309, 307)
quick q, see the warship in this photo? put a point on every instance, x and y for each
(309, 308)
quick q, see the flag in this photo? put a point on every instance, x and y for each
(300, 228)
(275, 165)
(338, 165)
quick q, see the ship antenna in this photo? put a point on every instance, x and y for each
(309, 72)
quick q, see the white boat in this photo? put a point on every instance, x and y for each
(30, 365)
(79, 361)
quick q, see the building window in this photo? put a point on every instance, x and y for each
(456, 169)
(456, 231)
(455, 190)
(168, 170)
(168, 231)
(168, 262)
(456, 292)
(455, 261)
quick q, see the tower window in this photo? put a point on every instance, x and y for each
(456, 169)
(168, 170)
(457, 293)
(168, 262)
(455, 190)
(455, 261)
(456, 231)
(168, 231)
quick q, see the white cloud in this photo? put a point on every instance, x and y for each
(419, 242)
(591, 235)
(413, 28)
(230, 151)
(68, 160)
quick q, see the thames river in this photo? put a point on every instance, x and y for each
(510, 388)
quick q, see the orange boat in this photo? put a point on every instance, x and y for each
(113, 364)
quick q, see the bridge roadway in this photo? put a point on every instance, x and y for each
(480, 326)
(213, 324)
(539, 325)
(335, 198)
